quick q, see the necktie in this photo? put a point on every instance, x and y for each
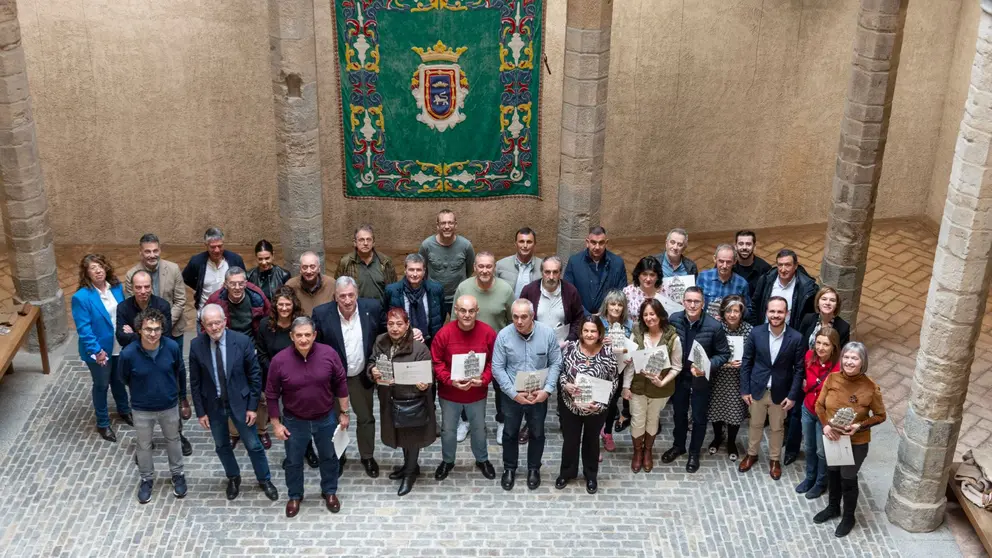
(219, 368)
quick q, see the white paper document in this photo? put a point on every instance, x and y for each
(413, 373)
(652, 361)
(601, 389)
(531, 381)
(838, 453)
(458, 365)
(670, 305)
(699, 358)
(737, 346)
(341, 440)
(674, 287)
(561, 332)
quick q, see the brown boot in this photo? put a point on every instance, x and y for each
(635, 463)
(648, 447)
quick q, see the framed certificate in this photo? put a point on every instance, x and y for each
(413, 373)
(467, 366)
(600, 389)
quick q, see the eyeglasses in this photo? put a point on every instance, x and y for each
(151, 329)
(238, 284)
(466, 311)
(691, 302)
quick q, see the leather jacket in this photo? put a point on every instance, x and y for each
(269, 281)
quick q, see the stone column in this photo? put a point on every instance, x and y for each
(863, 132)
(294, 94)
(583, 120)
(22, 188)
(953, 316)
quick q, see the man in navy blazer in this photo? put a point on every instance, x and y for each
(771, 381)
(350, 325)
(205, 271)
(226, 383)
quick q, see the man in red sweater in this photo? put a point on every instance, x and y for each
(458, 338)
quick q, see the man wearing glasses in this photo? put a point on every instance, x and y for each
(244, 304)
(155, 375)
(449, 255)
(692, 387)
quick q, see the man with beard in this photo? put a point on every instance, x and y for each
(312, 287)
(749, 266)
(167, 282)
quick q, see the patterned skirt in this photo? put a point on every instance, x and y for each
(726, 404)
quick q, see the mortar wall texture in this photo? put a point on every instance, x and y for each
(158, 115)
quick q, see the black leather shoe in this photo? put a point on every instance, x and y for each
(509, 478)
(233, 487)
(107, 434)
(533, 479)
(406, 485)
(671, 455)
(186, 446)
(397, 473)
(442, 471)
(270, 490)
(371, 467)
(313, 461)
(128, 419)
(486, 468)
(693, 465)
(790, 458)
(561, 482)
(591, 486)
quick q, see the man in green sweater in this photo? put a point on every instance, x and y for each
(495, 297)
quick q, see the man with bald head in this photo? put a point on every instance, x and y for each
(466, 334)
(312, 287)
(525, 345)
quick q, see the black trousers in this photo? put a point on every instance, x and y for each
(410, 458)
(691, 393)
(614, 411)
(580, 435)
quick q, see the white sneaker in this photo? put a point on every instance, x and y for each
(499, 434)
(462, 431)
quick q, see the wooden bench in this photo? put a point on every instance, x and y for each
(980, 519)
(20, 323)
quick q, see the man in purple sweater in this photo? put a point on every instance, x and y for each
(308, 379)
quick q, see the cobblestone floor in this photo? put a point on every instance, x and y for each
(68, 493)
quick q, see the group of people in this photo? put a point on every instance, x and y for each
(293, 356)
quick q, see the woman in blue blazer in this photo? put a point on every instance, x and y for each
(94, 309)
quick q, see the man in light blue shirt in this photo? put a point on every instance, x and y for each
(524, 346)
(522, 268)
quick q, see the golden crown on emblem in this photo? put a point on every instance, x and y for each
(440, 53)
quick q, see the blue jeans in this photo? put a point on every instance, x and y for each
(106, 376)
(694, 393)
(249, 437)
(301, 431)
(513, 417)
(816, 463)
(476, 413)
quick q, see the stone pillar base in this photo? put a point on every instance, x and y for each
(915, 518)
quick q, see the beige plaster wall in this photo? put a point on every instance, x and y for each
(153, 115)
(959, 78)
(722, 114)
(727, 114)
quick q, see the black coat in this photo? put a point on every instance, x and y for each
(269, 281)
(128, 310)
(710, 336)
(244, 379)
(803, 296)
(809, 324)
(410, 438)
(269, 343)
(195, 270)
(328, 324)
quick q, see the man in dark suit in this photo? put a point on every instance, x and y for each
(226, 382)
(205, 271)
(692, 388)
(350, 325)
(771, 380)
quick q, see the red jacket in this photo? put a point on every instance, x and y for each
(451, 340)
(256, 298)
(816, 374)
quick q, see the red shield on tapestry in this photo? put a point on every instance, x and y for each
(440, 89)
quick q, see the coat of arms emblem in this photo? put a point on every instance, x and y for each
(439, 86)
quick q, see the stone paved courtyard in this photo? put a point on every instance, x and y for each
(68, 493)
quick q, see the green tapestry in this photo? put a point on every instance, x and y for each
(457, 85)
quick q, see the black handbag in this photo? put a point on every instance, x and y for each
(410, 413)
